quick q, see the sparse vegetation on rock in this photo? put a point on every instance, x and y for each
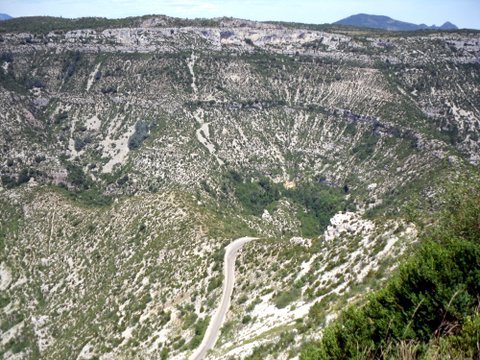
(134, 150)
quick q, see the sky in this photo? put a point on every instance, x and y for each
(463, 13)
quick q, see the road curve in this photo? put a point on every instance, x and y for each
(218, 318)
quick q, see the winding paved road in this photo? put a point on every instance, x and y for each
(218, 318)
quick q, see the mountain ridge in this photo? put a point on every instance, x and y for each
(5, 17)
(387, 23)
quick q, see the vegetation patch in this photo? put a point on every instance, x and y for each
(139, 136)
(284, 298)
(200, 328)
(317, 201)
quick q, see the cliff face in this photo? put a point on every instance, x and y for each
(159, 116)
(87, 89)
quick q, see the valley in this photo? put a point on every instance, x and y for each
(135, 151)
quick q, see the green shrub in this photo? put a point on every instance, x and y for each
(82, 141)
(35, 83)
(214, 283)
(284, 298)
(366, 146)
(139, 136)
(8, 181)
(60, 117)
(164, 353)
(76, 176)
(39, 158)
(23, 177)
(6, 57)
(246, 319)
(200, 328)
(188, 320)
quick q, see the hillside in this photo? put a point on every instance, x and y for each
(431, 304)
(387, 23)
(134, 150)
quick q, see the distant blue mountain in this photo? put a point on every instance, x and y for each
(387, 23)
(5, 17)
(448, 26)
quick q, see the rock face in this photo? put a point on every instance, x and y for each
(120, 143)
(244, 92)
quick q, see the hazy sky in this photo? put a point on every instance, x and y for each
(463, 13)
